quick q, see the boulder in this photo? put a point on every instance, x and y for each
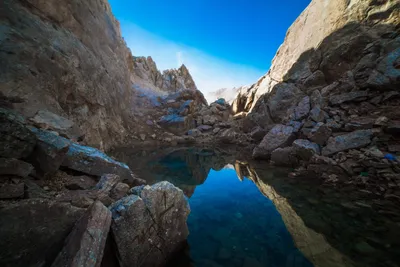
(150, 227)
(194, 132)
(348, 141)
(49, 152)
(317, 114)
(320, 134)
(79, 182)
(204, 128)
(348, 97)
(37, 241)
(258, 133)
(10, 191)
(16, 141)
(210, 120)
(49, 121)
(9, 166)
(85, 159)
(284, 157)
(302, 109)
(387, 74)
(108, 182)
(85, 244)
(279, 136)
(283, 97)
(227, 136)
(359, 124)
(119, 191)
(393, 128)
(305, 149)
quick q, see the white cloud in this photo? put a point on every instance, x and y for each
(209, 73)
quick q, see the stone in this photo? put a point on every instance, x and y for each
(315, 80)
(258, 133)
(348, 97)
(49, 153)
(204, 128)
(11, 191)
(320, 134)
(119, 191)
(228, 136)
(333, 125)
(84, 246)
(142, 137)
(317, 114)
(381, 121)
(284, 157)
(85, 159)
(108, 182)
(33, 190)
(79, 182)
(49, 121)
(9, 166)
(210, 120)
(38, 242)
(283, 97)
(374, 152)
(279, 136)
(149, 228)
(359, 124)
(16, 141)
(317, 99)
(296, 125)
(387, 74)
(136, 190)
(305, 149)
(356, 139)
(194, 132)
(302, 109)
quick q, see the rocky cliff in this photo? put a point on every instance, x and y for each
(67, 58)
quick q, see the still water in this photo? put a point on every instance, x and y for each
(250, 215)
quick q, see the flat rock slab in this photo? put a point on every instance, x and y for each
(344, 142)
(83, 158)
(85, 244)
(305, 149)
(150, 227)
(348, 97)
(32, 232)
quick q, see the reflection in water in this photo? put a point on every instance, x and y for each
(233, 224)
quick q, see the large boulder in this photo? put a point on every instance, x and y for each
(348, 141)
(279, 136)
(284, 157)
(85, 244)
(16, 141)
(32, 232)
(150, 227)
(305, 149)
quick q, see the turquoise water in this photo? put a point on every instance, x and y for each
(233, 224)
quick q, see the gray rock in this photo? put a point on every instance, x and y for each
(359, 124)
(49, 121)
(210, 120)
(150, 227)
(316, 79)
(333, 125)
(283, 97)
(284, 157)
(305, 149)
(79, 182)
(85, 159)
(37, 242)
(258, 133)
(317, 114)
(49, 153)
(136, 190)
(194, 132)
(317, 99)
(344, 142)
(9, 166)
(279, 136)
(108, 182)
(296, 125)
(320, 134)
(387, 74)
(302, 109)
(16, 141)
(204, 128)
(85, 244)
(348, 97)
(119, 191)
(10, 191)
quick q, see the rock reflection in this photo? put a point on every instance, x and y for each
(331, 226)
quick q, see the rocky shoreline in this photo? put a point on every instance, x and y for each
(61, 188)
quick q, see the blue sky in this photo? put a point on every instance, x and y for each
(223, 43)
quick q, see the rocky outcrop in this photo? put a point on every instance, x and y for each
(171, 80)
(149, 227)
(332, 82)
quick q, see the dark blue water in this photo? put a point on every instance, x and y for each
(233, 224)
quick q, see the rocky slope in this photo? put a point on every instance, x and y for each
(330, 101)
(60, 66)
